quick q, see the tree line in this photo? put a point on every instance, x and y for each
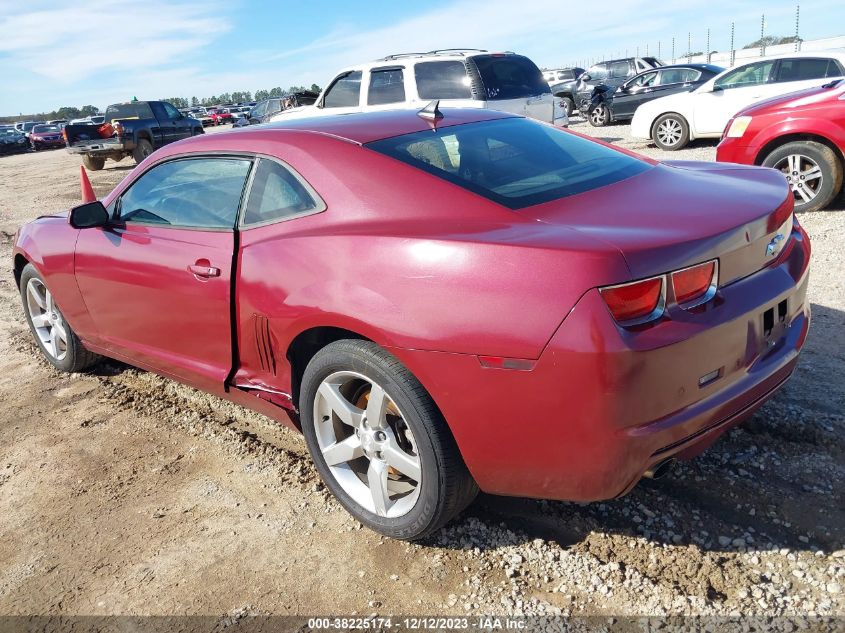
(70, 112)
(66, 112)
(237, 97)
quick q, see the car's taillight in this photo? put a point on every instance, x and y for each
(635, 302)
(695, 284)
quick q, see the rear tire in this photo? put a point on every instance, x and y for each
(142, 149)
(670, 132)
(410, 506)
(813, 171)
(93, 163)
(54, 337)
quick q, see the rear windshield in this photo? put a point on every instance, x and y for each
(138, 110)
(510, 76)
(515, 162)
(46, 128)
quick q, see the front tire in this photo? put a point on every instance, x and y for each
(93, 163)
(599, 116)
(670, 132)
(54, 337)
(813, 171)
(379, 442)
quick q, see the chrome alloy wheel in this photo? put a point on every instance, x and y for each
(598, 114)
(367, 445)
(803, 175)
(46, 319)
(669, 132)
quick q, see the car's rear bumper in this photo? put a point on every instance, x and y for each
(603, 404)
(104, 147)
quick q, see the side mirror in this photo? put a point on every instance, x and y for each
(584, 77)
(89, 215)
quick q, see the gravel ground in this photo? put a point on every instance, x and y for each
(125, 493)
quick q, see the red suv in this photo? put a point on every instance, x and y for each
(802, 134)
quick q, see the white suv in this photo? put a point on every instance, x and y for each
(464, 78)
(671, 122)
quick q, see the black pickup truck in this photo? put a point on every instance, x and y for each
(131, 129)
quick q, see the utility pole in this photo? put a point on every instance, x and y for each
(797, 19)
(673, 50)
(689, 47)
(708, 46)
(733, 51)
(762, 35)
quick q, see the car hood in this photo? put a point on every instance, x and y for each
(299, 112)
(681, 213)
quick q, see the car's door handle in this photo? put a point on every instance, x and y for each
(204, 270)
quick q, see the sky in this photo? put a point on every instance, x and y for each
(61, 53)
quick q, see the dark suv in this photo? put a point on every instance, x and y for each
(609, 73)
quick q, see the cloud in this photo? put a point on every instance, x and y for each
(101, 51)
(67, 44)
(542, 29)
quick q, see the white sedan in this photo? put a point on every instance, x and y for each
(673, 121)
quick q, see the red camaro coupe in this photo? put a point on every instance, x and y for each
(442, 302)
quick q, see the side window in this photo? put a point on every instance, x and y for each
(648, 79)
(193, 192)
(387, 85)
(259, 110)
(618, 69)
(678, 76)
(274, 106)
(598, 72)
(172, 113)
(442, 80)
(345, 92)
(802, 69)
(834, 69)
(746, 76)
(276, 193)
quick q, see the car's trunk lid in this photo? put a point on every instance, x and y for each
(682, 213)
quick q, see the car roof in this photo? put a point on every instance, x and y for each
(693, 65)
(364, 127)
(447, 54)
(838, 53)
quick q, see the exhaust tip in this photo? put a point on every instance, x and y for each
(660, 469)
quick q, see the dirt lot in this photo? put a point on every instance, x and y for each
(123, 492)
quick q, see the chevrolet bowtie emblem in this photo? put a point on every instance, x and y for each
(771, 249)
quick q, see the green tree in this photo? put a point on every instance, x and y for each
(65, 112)
(316, 88)
(260, 95)
(773, 40)
(194, 102)
(277, 92)
(89, 110)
